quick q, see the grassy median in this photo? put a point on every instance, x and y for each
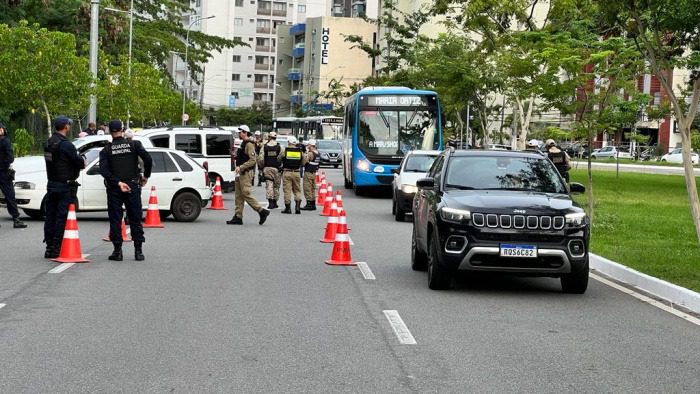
(644, 222)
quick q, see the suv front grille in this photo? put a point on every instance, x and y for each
(492, 220)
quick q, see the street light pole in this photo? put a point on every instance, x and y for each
(187, 68)
(94, 31)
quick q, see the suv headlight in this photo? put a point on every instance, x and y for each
(455, 215)
(576, 219)
(25, 185)
(406, 188)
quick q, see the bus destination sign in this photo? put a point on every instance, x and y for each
(397, 101)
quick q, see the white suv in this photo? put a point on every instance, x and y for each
(182, 186)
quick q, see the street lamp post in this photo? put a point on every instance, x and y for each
(131, 45)
(94, 31)
(187, 69)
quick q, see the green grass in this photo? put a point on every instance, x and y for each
(630, 161)
(644, 222)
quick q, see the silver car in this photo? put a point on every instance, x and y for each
(331, 152)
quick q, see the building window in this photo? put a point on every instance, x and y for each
(260, 78)
(238, 21)
(657, 99)
(264, 23)
(237, 38)
(239, 3)
(279, 6)
(250, 57)
(302, 8)
(250, 39)
(236, 58)
(235, 77)
(234, 94)
(261, 60)
(261, 42)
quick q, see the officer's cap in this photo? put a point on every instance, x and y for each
(62, 121)
(292, 140)
(244, 128)
(257, 132)
(115, 126)
(533, 143)
(550, 142)
(273, 135)
(312, 142)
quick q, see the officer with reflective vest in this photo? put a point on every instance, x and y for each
(271, 172)
(559, 158)
(63, 165)
(292, 160)
(119, 166)
(313, 162)
(245, 172)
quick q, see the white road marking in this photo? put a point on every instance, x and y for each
(2, 306)
(646, 299)
(399, 327)
(61, 268)
(366, 271)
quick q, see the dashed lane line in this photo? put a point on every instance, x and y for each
(60, 268)
(365, 270)
(2, 305)
(402, 332)
(647, 300)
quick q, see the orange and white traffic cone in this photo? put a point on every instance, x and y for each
(70, 246)
(339, 198)
(153, 214)
(217, 201)
(322, 191)
(341, 247)
(317, 180)
(125, 235)
(328, 205)
(331, 228)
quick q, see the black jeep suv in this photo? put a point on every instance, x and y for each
(499, 211)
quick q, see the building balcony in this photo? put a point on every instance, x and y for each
(264, 11)
(294, 74)
(298, 51)
(265, 30)
(261, 85)
(263, 48)
(298, 29)
(263, 66)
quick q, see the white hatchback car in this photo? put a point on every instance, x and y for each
(676, 156)
(182, 186)
(413, 167)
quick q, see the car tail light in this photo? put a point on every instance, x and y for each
(206, 178)
(206, 165)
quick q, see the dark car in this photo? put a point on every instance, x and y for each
(499, 211)
(331, 152)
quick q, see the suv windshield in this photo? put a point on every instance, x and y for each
(504, 173)
(418, 163)
(329, 145)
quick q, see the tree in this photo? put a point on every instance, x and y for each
(666, 33)
(42, 71)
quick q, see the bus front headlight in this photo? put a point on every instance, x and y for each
(363, 165)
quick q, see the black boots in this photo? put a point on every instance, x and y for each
(117, 253)
(310, 206)
(264, 213)
(287, 208)
(52, 249)
(297, 207)
(19, 224)
(235, 220)
(138, 251)
(271, 204)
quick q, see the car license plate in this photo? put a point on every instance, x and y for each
(334, 160)
(527, 251)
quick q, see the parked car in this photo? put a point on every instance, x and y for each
(331, 152)
(208, 146)
(610, 152)
(507, 212)
(181, 183)
(413, 167)
(676, 156)
(499, 147)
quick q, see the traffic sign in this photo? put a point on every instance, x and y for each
(185, 117)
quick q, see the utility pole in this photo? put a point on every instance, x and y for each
(94, 31)
(468, 127)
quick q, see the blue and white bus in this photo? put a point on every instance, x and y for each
(381, 124)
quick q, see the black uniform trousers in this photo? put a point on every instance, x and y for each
(58, 198)
(8, 190)
(132, 201)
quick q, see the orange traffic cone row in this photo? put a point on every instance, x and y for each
(331, 227)
(152, 214)
(317, 179)
(339, 198)
(322, 191)
(217, 201)
(341, 247)
(328, 205)
(70, 247)
(125, 235)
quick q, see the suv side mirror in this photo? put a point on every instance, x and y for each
(577, 188)
(426, 183)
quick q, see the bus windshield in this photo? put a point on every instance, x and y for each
(395, 131)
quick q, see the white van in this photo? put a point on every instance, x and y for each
(208, 146)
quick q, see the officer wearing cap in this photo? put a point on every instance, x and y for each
(533, 145)
(292, 160)
(271, 172)
(119, 166)
(245, 169)
(559, 158)
(63, 165)
(313, 162)
(7, 177)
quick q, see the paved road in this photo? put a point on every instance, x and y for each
(217, 309)
(641, 168)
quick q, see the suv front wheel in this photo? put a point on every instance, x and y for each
(438, 277)
(419, 260)
(575, 282)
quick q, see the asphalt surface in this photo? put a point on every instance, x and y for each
(610, 165)
(217, 308)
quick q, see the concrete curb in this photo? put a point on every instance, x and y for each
(668, 291)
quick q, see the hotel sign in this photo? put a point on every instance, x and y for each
(325, 43)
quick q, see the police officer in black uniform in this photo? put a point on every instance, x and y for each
(559, 158)
(7, 177)
(63, 165)
(119, 165)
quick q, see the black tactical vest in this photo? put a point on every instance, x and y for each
(59, 168)
(559, 161)
(292, 158)
(271, 153)
(313, 164)
(241, 156)
(123, 159)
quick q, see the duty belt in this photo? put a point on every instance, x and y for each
(290, 170)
